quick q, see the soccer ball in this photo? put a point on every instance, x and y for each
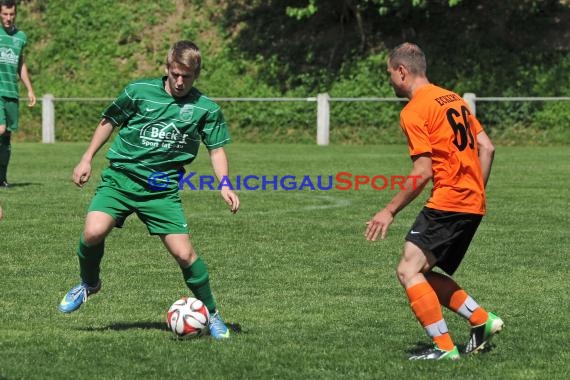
(188, 317)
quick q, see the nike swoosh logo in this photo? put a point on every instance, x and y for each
(150, 109)
(414, 232)
(224, 335)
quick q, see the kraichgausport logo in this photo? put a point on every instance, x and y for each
(339, 181)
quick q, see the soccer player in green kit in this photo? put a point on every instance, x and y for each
(12, 66)
(160, 123)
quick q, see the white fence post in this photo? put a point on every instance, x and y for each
(323, 119)
(48, 119)
(469, 97)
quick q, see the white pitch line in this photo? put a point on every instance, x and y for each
(332, 202)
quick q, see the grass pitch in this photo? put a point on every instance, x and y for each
(292, 268)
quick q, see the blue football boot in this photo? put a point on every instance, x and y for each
(218, 329)
(77, 296)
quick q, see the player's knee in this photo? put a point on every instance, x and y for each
(404, 274)
(183, 261)
(400, 277)
(93, 235)
(185, 258)
(97, 226)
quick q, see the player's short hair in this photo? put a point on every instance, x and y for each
(185, 53)
(410, 56)
(7, 3)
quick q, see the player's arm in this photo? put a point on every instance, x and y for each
(419, 176)
(82, 171)
(486, 154)
(25, 78)
(220, 165)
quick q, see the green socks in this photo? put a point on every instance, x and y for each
(90, 261)
(198, 281)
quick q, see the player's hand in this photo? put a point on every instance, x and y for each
(378, 225)
(231, 199)
(31, 99)
(81, 173)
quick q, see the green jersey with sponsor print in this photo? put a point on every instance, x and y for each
(12, 44)
(159, 133)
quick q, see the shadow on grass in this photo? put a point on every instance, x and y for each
(22, 184)
(122, 326)
(419, 348)
(422, 346)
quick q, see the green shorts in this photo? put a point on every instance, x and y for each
(120, 196)
(9, 111)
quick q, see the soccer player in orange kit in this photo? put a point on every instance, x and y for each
(447, 145)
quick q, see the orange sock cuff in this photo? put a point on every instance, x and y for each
(461, 303)
(426, 307)
(425, 304)
(444, 342)
(418, 290)
(457, 299)
(478, 317)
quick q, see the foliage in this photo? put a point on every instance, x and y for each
(492, 49)
(279, 48)
(301, 13)
(383, 6)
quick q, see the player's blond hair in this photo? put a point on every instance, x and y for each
(410, 56)
(185, 53)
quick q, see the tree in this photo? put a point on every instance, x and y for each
(358, 7)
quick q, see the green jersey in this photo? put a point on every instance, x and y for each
(11, 46)
(159, 133)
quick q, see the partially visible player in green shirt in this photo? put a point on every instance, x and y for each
(12, 67)
(161, 123)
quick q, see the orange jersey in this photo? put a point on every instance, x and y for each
(439, 122)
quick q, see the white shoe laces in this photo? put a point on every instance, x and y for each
(80, 291)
